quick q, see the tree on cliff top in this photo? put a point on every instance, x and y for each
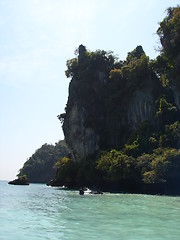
(169, 33)
(89, 62)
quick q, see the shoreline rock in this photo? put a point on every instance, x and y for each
(19, 181)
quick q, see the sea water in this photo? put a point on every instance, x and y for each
(39, 212)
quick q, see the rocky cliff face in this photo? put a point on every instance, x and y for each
(98, 117)
(177, 97)
(132, 109)
(81, 140)
(83, 115)
(84, 140)
(140, 107)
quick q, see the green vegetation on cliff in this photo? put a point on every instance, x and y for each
(122, 119)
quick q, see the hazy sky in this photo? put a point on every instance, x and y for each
(36, 39)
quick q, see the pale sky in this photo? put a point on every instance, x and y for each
(37, 37)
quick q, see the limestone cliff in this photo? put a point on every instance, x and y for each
(177, 97)
(107, 100)
(82, 140)
(84, 111)
(140, 108)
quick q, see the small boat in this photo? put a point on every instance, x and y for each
(86, 190)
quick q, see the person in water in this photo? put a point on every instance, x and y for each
(81, 191)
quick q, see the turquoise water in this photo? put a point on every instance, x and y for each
(40, 212)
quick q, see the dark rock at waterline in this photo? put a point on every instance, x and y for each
(54, 183)
(19, 181)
